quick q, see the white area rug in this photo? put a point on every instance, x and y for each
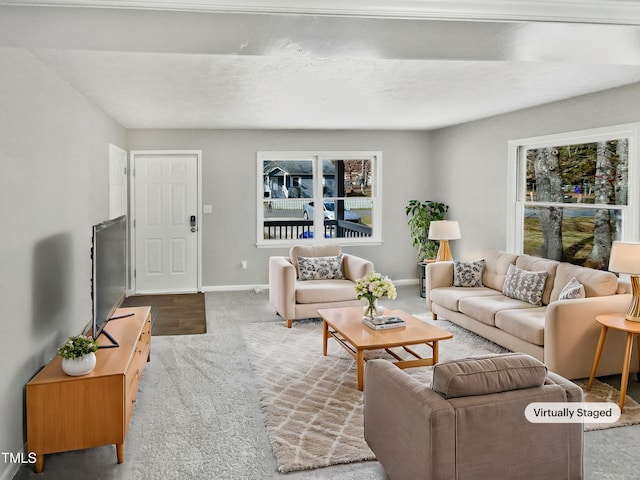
(312, 407)
(311, 403)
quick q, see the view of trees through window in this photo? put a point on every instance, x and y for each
(575, 199)
(292, 188)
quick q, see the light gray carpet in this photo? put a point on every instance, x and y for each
(231, 441)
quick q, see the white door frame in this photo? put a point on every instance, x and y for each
(132, 232)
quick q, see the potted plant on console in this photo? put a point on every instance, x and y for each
(78, 355)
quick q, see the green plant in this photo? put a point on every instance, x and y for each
(77, 346)
(421, 214)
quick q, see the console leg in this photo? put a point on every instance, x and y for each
(120, 452)
(39, 465)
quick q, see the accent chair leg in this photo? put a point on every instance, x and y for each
(289, 323)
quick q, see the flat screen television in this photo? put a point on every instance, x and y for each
(109, 276)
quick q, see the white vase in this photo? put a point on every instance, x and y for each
(79, 366)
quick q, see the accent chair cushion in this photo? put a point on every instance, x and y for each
(468, 274)
(572, 290)
(487, 374)
(525, 285)
(320, 268)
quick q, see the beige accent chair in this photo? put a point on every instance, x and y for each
(296, 299)
(471, 424)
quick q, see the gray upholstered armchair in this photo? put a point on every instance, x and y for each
(471, 423)
(326, 279)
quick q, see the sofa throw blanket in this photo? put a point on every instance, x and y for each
(524, 285)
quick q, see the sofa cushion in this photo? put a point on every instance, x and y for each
(487, 374)
(524, 285)
(537, 264)
(323, 291)
(449, 297)
(320, 268)
(527, 324)
(496, 263)
(312, 251)
(597, 283)
(572, 290)
(484, 309)
(468, 274)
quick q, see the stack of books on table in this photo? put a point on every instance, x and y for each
(383, 322)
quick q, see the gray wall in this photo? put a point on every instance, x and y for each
(54, 158)
(470, 160)
(229, 185)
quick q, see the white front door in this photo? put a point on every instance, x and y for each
(166, 221)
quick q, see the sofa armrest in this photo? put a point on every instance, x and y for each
(438, 274)
(409, 427)
(282, 286)
(355, 267)
(571, 332)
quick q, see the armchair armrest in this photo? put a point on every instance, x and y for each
(571, 333)
(438, 274)
(409, 427)
(355, 267)
(282, 286)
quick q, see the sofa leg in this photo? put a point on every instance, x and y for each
(289, 323)
(434, 315)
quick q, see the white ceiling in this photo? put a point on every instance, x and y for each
(205, 65)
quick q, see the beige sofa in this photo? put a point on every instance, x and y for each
(562, 334)
(471, 422)
(296, 299)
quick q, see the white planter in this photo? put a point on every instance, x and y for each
(79, 366)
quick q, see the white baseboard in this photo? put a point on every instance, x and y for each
(10, 471)
(262, 287)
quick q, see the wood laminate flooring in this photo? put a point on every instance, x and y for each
(173, 314)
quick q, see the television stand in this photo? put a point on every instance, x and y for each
(59, 407)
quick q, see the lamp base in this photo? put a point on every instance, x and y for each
(633, 314)
(444, 252)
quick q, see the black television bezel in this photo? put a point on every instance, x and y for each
(98, 324)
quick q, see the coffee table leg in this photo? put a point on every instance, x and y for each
(596, 360)
(435, 352)
(360, 364)
(325, 337)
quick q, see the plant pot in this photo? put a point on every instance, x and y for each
(79, 366)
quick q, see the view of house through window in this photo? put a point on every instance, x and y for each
(574, 200)
(317, 196)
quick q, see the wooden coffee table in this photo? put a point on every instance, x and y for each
(346, 326)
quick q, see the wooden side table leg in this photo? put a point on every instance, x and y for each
(625, 370)
(596, 360)
(360, 364)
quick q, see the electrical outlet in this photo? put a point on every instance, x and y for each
(244, 264)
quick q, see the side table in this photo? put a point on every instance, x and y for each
(616, 321)
(422, 277)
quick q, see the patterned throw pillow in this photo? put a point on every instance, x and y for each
(524, 285)
(572, 290)
(320, 268)
(468, 274)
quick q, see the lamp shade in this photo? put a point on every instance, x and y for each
(444, 230)
(625, 258)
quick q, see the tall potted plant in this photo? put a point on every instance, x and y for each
(421, 214)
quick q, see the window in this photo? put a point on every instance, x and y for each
(292, 186)
(574, 194)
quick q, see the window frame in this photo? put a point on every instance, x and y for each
(516, 182)
(317, 157)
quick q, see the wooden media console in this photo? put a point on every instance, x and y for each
(71, 413)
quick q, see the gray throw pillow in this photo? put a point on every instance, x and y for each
(524, 285)
(468, 274)
(320, 268)
(572, 290)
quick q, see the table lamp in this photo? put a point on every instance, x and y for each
(625, 258)
(444, 230)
